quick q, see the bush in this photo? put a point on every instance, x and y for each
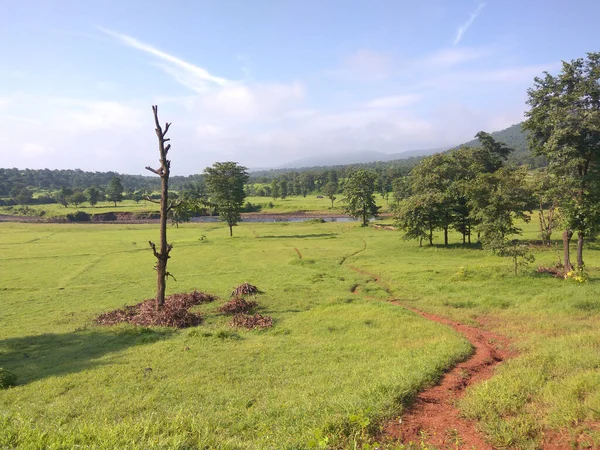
(79, 216)
(7, 378)
(251, 207)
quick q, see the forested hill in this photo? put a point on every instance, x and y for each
(515, 137)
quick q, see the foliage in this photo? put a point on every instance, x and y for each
(76, 198)
(330, 190)
(225, 183)
(7, 378)
(79, 216)
(93, 196)
(563, 127)
(360, 201)
(518, 252)
(114, 191)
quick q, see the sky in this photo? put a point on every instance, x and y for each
(266, 82)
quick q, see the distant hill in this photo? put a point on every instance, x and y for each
(515, 137)
(339, 159)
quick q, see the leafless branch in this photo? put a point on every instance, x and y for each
(156, 171)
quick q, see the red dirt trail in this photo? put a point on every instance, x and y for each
(433, 418)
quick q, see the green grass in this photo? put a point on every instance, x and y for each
(333, 366)
(280, 206)
(331, 369)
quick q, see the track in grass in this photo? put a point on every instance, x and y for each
(433, 418)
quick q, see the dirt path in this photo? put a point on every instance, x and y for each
(433, 418)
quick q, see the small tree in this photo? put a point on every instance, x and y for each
(114, 191)
(360, 201)
(330, 190)
(518, 252)
(93, 195)
(77, 198)
(225, 182)
(62, 196)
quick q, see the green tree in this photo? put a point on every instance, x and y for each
(77, 198)
(24, 196)
(497, 199)
(62, 196)
(225, 182)
(93, 195)
(563, 125)
(359, 190)
(330, 189)
(275, 189)
(114, 191)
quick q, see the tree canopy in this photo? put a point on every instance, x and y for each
(360, 201)
(564, 126)
(225, 182)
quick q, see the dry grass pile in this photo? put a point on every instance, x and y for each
(251, 322)
(238, 305)
(174, 313)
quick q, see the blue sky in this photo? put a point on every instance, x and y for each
(267, 82)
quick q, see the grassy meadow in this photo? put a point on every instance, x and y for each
(334, 366)
(279, 206)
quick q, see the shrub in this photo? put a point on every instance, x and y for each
(7, 378)
(79, 216)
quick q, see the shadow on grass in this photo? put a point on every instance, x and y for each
(33, 358)
(300, 236)
(454, 245)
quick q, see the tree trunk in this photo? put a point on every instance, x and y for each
(162, 256)
(230, 230)
(430, 236)
(580, 237)
(469, 234)
(446, 235)
(567, 234)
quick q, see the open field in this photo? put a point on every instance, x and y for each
(280, 206)
(334, 367)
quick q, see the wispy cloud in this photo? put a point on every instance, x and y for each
(193, 77)
(463, 28)
(393, 101)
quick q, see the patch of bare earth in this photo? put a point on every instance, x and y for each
(433, 419)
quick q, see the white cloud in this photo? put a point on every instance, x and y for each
(365, 65)
(193, 77)
(454, 56)
(33, 150)
(464, 27)
(393, 101)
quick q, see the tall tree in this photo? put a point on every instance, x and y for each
(162, 255)
(564, 126)
(360, 201)
(114, 191)
(225, 182)
(93, 195)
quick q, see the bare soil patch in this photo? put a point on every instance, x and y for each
(433, 419)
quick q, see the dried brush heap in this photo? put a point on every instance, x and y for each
(238, 305)
(245, 289)
(174, 313)
(251, 322)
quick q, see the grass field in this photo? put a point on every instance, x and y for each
(334, 366)
(280, 206)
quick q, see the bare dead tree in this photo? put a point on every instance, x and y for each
(162, 256)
